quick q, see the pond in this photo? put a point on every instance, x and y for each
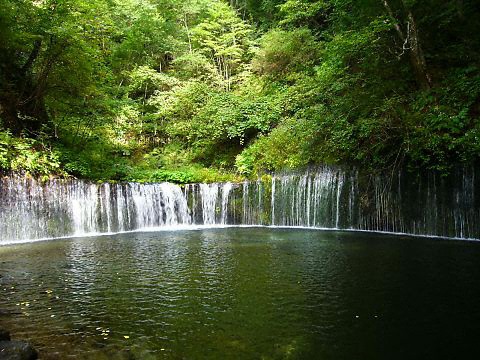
(243, 293)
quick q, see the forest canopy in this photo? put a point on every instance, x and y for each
(209, 90)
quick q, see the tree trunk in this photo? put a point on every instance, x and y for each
(460, 11)
(22, 103)
(411, 42)
(33, 56)
(417, 58)
(9, 115)
(185, 23)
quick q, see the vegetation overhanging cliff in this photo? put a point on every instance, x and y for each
(205, 90)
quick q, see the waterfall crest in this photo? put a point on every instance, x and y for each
(326, 197)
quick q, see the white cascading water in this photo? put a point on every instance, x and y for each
(159, 205)
(272, 201)
(209, 194)
(326, 197)
(226, 188)
(84, 205)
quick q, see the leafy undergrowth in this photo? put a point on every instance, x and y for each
(33, 158)
(28, 156)
(182, 176)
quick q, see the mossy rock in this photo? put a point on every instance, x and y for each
(4, 335)
(17, 350)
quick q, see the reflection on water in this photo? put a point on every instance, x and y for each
(242, 293)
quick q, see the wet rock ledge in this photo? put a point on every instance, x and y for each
(14, 349)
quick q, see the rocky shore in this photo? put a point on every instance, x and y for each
(15, 349)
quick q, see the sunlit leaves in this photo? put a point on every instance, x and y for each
(225, 38)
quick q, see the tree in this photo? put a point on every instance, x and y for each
(225, 39)
(411, 43)
(52, 48)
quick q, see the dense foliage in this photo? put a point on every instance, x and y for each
(206, 90)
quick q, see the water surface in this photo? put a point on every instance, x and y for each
(243, 293)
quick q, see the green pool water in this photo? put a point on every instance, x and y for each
(244, 293)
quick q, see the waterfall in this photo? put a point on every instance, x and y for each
(339, 191)
(245, 197)
(325, 197)
(227, 187)
(273, 201)
(209, 195)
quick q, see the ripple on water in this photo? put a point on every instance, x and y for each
(240, 293)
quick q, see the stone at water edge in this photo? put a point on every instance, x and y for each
(17, 350)
(4, 335)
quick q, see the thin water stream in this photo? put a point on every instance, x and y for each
(325, 197)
